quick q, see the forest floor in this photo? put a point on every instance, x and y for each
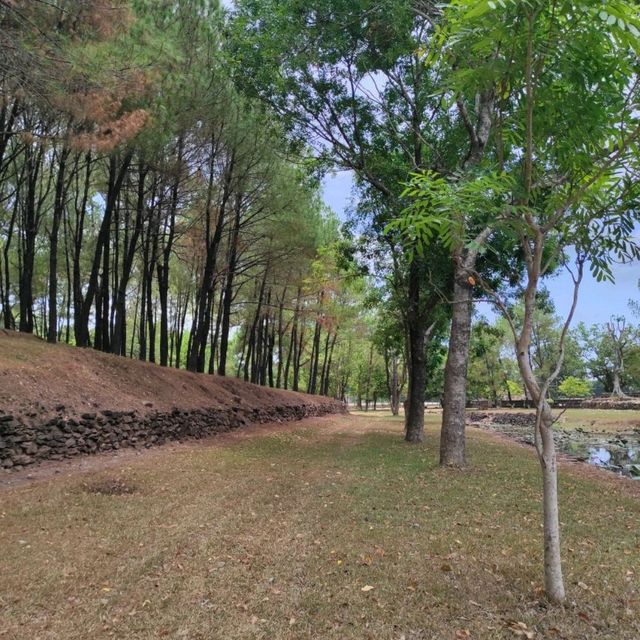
(332, 528)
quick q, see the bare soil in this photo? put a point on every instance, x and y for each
(36, 377)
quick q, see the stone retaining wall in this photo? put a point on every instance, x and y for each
(515, 419)
(607, 403)
(25, 440)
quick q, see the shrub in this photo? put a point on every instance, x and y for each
(572, 387)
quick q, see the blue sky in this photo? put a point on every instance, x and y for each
(598, 301)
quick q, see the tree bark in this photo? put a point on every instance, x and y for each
(58, 212)
(452, 437)
(414, 406)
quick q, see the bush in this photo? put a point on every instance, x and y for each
(572, 387)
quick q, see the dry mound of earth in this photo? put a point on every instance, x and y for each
(58, 401)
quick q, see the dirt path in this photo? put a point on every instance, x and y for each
(47, 471)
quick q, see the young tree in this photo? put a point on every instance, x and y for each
(564, 192)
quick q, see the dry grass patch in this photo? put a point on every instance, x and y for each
(339, 532)
(110, 487)
(596, 420)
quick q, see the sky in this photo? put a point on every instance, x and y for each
(598, 301)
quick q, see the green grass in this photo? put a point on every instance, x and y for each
(275, 537)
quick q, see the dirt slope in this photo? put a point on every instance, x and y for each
(38, 378)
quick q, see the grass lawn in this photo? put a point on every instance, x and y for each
(331, 529)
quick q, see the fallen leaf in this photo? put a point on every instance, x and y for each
(367, 587)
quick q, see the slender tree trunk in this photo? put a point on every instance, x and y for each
(315, 356)
(9, 320)
(80, 332)
(116, 177)
(554, 583)
(325, 388)
(228, 289)
(58, 212)
(414, 417)
(281, 332)
(119, 342)
(293, 341)
(297, 358)
(545, 446)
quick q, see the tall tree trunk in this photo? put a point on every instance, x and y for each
(80, 331)
(228, 289)
(315, 358)
(58, 212)
(545, 446)
(452, 438)
(119, 342)
(281, 332)
(9, 320)
(31, 218)
(325, 388)
(117, 175)
(414, 406)
(293, 341)
(165, 258)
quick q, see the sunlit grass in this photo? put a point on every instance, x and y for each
(277, 536)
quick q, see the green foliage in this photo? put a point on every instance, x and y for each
(442, 205)
(572, 387)
(571, 181)
(515, 388)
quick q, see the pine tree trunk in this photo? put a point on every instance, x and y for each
(58, 212)
(9, 320)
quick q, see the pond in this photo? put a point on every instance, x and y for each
(619, 453)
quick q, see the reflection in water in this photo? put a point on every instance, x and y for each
(616, 454)
(619, 453)
(600, 457)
